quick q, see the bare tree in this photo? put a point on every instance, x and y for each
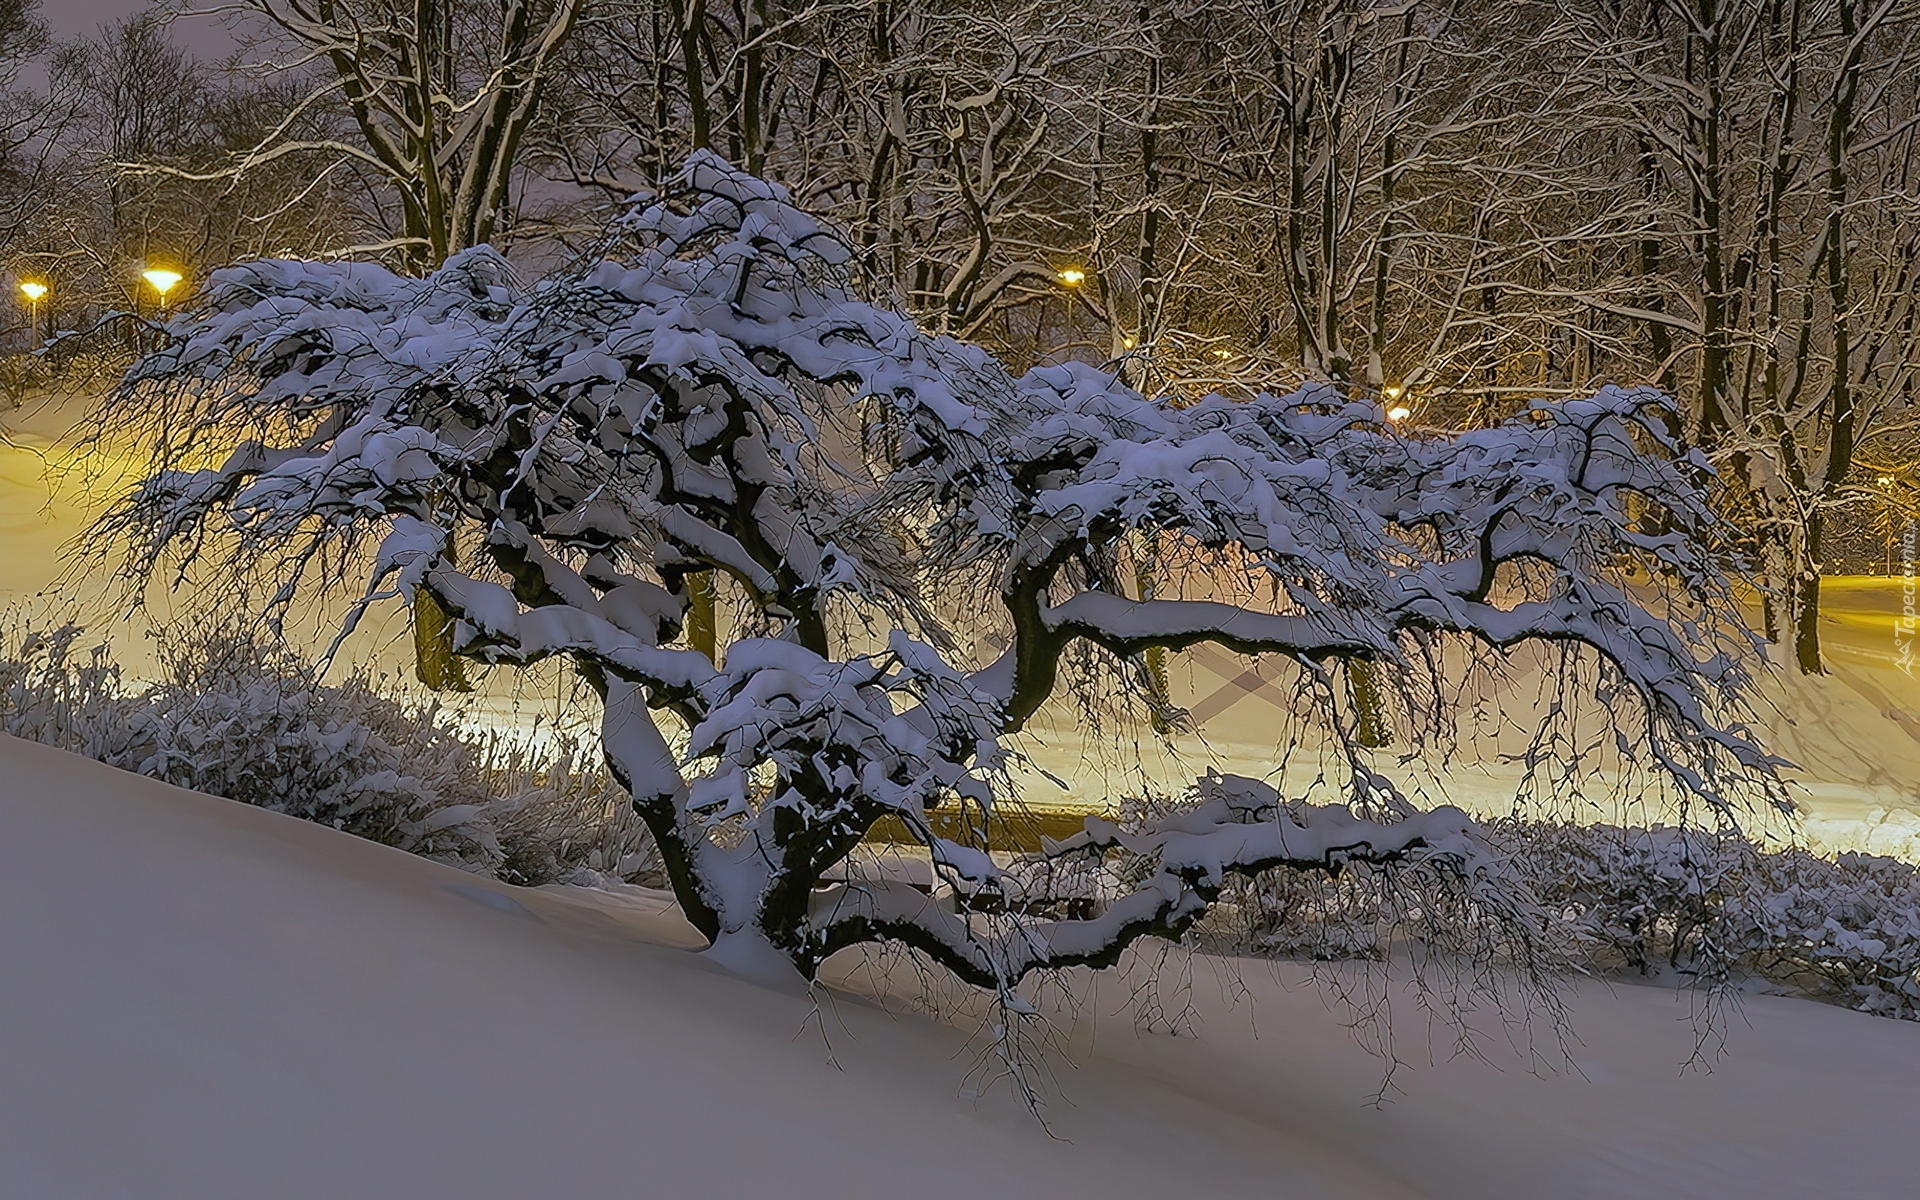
(34, 123)
(440, 96)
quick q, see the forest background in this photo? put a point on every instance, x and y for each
(1450, 205)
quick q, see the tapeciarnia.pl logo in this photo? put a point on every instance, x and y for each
(1904, 628)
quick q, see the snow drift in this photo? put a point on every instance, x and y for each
(230, 1003)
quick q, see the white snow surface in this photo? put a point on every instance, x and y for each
(209, 1000)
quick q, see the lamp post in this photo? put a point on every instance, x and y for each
(162, 281)
(33, 290)
(1397, 411)
(1886, 506)
(1070, 278)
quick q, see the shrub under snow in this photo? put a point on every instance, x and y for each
(1719, 908)
(235, 718)
(1688, 904)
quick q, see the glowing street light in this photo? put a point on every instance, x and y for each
(162, 281)
(1396, 412)
(1070, 278)
(33, 290)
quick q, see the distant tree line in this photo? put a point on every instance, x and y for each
(91, 131)
(1450, 203)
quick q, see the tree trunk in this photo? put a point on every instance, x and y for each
(701, 628)
(1369, 704)
(1806, 608)
(434, 662)
(1154, 658)
(1840, 399)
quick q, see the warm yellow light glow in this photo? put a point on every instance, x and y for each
(1126, 343)
(1073, 277)
(1392, 391)
(33, 290)
(161, 279)
(1223, 354)
(1399, 412)
(1885, 480)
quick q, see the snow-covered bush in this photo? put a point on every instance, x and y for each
(705, 395)
(1717, 908)
(254, 723)
(1710, 910)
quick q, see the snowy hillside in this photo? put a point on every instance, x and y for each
(211, 1001)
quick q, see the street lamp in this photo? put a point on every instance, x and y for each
(1396, 412)
(162, 281)
(1886, 504)
(33, 290)
(1070, 278)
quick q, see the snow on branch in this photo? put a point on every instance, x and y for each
(1239, 826)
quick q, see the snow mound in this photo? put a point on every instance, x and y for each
(234, 1003)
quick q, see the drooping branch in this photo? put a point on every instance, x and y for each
(1239, 827)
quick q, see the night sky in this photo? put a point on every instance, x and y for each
(203, 35)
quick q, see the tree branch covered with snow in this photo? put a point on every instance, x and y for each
(704, 391)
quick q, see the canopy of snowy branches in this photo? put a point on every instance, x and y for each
(705, 391)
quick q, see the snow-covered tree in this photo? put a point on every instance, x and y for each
(705, 391)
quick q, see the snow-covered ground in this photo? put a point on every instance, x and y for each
(209, 1001)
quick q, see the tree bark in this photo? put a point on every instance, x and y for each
(434, 662)
(702, 631)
